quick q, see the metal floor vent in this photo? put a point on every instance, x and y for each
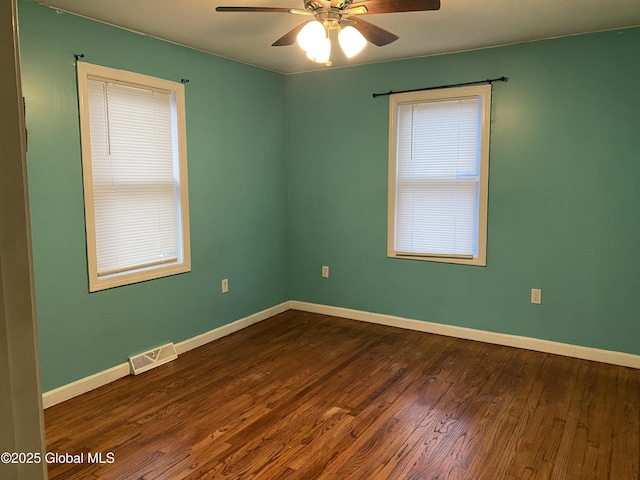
(153, 358)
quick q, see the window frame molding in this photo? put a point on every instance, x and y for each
(445, 94)
(86, 72)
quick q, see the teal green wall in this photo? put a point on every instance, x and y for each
(288, 173)
(564, 194)
(237, 192)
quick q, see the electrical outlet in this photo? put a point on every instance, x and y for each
(225, 285)
(325, 271)
(536, 296)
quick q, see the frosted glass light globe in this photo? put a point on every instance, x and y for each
(321, 51)
(351, 41)
(311, 35)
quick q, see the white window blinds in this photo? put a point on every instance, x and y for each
(439, 174)
(135, 176)
(438, 169)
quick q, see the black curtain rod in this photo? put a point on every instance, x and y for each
(479, 82)
(78, 56)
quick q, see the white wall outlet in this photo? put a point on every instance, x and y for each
(325, 271)
(536, 296)
(225, 285)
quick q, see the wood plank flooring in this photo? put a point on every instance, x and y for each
(306, 396)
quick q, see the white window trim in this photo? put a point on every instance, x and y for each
(85, 72)
(441, 95)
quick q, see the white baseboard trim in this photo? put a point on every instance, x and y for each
(66, 392)
(225, 330)
(528, 343)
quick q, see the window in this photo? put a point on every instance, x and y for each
(135, 176)
(438, 175)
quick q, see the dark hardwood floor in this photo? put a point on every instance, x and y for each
(305, 396)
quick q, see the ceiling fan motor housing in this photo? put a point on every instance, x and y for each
(329, 19)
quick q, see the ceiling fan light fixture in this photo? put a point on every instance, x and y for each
(311, 36)
(351, 41)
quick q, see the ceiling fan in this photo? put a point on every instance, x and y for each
(340, 15)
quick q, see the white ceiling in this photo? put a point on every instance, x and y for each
(458, 25)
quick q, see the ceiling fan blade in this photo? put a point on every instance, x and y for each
(374, 34)
(395, 6)
(359, 10)
(296, 11)
(288, 38)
